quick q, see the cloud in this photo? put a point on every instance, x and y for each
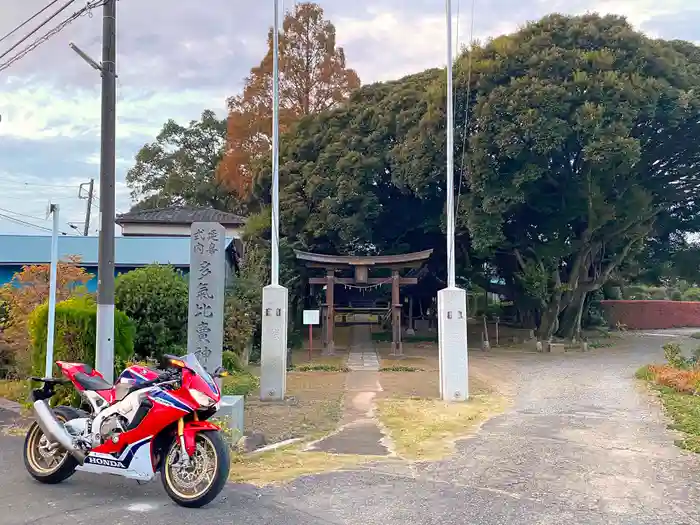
(177, 58)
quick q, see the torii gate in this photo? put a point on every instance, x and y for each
(361, 266)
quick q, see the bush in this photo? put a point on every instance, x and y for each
(240, 384)
(692, 294)
(684, 381)
(155, 298)
(75, 334)
(231, 362)
(28, 289)
(239, 326)
(676, 295)
(636, 293)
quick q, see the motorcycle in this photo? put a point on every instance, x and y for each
(146, 422)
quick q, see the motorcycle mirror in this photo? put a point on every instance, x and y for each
(170, 361)
(221, 372)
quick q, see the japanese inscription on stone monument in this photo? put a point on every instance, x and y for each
(205, 323)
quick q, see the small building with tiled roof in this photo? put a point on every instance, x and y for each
(176, 222)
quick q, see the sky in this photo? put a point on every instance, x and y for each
(177, 58)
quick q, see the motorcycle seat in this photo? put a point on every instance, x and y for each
(92, 383)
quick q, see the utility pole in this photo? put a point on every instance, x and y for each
(88, 210)
(104, 359)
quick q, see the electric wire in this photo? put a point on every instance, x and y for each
(46, 36)
(21, 214)
(8, 35)
(26, 37)
(23, 223)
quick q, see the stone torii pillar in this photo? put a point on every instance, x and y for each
(396, 344)
(330, 313)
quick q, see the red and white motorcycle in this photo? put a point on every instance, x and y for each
(147, 422)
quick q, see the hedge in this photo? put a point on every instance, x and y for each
(75, 334)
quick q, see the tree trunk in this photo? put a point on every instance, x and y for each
(570, 325)
(550, 319)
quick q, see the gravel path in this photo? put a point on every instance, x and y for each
(582, 444)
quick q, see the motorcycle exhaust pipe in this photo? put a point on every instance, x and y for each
(55, 431)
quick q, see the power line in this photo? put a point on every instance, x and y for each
(37, 185)
(26, 37)
(8, 35)
(21, 214)
(23, 222)
(57, 29)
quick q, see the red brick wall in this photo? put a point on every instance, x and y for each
(645, 315)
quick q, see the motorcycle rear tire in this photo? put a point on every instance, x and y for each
(223, 466)
(69, 464)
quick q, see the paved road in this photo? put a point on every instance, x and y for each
(581, 445)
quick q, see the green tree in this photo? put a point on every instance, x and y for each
(580, 150)
(349, 182)
(179, 167)
(156, 299)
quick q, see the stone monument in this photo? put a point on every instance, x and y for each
(205, 319)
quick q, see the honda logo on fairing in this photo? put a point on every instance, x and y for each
(104, 462)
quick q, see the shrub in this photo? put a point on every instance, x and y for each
(240, 384)
(75, 334)
(155, 298)
(674, 356)
(692, 294)
(28, 289)
(239, 326)
(636, 293)
(231, 362)
(686, 381)
(676, 295)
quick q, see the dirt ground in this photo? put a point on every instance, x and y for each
(313, 406)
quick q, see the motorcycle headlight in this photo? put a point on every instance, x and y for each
(204, 400)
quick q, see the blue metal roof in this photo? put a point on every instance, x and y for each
(128, 251)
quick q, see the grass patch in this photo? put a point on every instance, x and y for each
(600, 344)
(644, 373)
(684, 410)
(398, 368)
(240, 384)
(318, 367)
(683, 407)
(287, 464)
(426, 429)
(17, 391)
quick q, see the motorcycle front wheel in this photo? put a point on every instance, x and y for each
(199, 482)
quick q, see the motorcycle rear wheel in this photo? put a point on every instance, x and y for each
(45, 461)
(204, 479)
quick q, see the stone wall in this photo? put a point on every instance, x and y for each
(646, 315)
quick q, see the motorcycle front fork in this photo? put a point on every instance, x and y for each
(184, 460)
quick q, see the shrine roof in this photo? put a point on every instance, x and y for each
(402, 260)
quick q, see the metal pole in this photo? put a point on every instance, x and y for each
(50, 329)
(88, 211)
(450, 206)
(275, 149)
(104, 360)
